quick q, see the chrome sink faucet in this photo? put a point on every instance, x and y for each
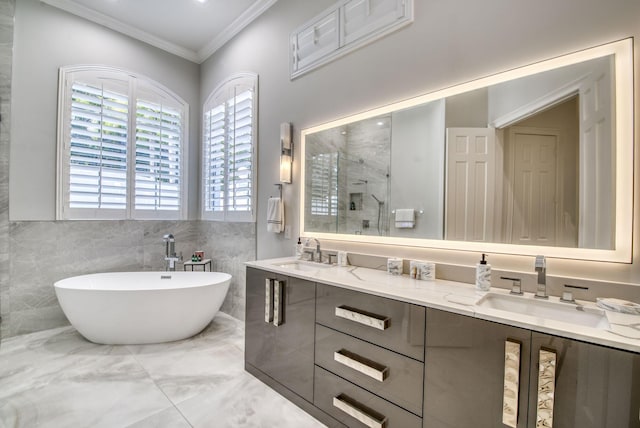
(318, 252)
(170, 255)
(541, 268)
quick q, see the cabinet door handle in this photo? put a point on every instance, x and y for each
(349, 407)
(372, 320)
(511, 390)
(278, 300)
(546, 388)
(268, 300)
(361, 364)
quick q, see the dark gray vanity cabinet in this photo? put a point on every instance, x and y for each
(355, 407)
(464, 372)
(279, 329)
(559, 382)
(357, 360)
(389, 323)
(369, 359)
(594, 386)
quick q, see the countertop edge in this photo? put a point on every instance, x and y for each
(438, 295)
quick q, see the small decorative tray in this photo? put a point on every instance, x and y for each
(618, 305)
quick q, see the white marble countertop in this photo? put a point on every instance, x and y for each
(623, 331)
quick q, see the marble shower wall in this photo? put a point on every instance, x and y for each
(44, 252)
(367, 173)
(7, 8)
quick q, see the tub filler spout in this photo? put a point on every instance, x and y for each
(170, 255)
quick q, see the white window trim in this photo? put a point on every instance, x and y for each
(63, 211)
(232, 216)
(342, 45)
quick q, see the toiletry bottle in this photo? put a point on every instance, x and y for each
(483, 275)
(299, 249)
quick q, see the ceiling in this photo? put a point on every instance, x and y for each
(192, 29)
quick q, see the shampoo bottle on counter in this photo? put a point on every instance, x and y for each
(299, 249)
(483, 275)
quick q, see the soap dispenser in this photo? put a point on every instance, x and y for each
(483, 275)
(299, 249)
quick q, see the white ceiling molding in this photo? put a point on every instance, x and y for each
(114, 24)
(236, 26)
(227, 34)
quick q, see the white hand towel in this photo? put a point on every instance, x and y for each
(275, 215)
(405, 218)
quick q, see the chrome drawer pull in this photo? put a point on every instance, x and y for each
(361, 317)
(278, 297)
(343, 403)
(361, 364)
(511, 391)
(546, 388)
(268, 300)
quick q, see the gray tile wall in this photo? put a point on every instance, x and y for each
(229, 245)
(44, 252)
(6, 54)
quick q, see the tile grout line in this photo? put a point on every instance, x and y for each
(159, 388)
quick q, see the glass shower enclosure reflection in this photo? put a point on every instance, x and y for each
(349, 187)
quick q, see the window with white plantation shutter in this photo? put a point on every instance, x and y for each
(324, 184)
(158, 154)
(121, 146)
(229, 135)
(345, 26)
(98, 147)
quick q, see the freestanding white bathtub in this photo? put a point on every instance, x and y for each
(126, 308)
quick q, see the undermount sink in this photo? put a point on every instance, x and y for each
(547, 309)
(303, 266)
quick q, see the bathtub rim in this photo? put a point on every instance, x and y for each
(79, 282)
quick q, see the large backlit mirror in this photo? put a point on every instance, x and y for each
(536, 160)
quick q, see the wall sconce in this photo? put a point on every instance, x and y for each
(286, 153)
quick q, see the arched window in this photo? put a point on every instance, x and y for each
(228, 150)
(122, 146)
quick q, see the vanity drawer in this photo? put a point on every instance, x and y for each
(389, 323)
(392, 376)
(356, 407)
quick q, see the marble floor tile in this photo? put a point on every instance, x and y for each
(169, 418)
(65, 381)
(55, 378)
(193, 366)
(244, 402)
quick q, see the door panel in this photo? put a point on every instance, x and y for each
(465, 368)
(470, 184)
(285, 351)
(535, 186)
(597, 172)
(292, 363)
(595, 386)
(259, 334)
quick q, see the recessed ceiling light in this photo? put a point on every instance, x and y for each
(201, 1)
(380, 123)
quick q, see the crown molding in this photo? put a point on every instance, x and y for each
(198, 57)
(247, 17)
